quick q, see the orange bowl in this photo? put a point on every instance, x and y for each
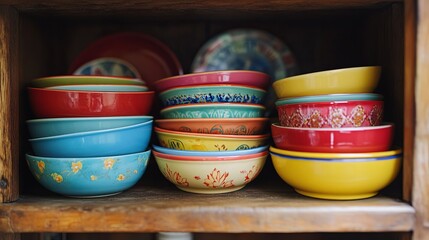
(229, 126)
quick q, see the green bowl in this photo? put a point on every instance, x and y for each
(214, 110)
(78, 80)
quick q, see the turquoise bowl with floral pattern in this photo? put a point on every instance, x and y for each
(89, 177)
(212, 93)
(214, 110)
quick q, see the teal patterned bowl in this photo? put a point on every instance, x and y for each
(213, 93)
(214, 110)
(89, 177)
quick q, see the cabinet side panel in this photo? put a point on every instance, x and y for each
(9, 96)
(421, 148)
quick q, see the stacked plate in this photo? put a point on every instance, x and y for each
(331, 131)
(90, 134)
(217, 117)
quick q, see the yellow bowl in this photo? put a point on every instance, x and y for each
(335, 155)
(208, 142)
(346, 80)
(337, 179)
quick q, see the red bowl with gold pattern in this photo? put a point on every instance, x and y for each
(331, 111)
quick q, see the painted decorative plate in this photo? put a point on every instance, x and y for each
(152, 59)
(247, 49)
(108, 67)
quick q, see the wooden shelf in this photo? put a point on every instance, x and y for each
(252, 209)
(184, 8)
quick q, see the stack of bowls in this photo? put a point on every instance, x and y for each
(331, 130)
(90, 134)
(217, 117)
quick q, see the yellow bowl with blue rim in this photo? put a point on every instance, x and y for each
(342, 176)
(346, 80)
(208, 142)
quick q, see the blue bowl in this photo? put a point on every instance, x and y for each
(176, 152)
(46, 127)
(89, 177)
(116, 141)
(330, 98)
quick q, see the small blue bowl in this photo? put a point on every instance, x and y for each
(89, 177)
(330, 98)
(176, 152)
(116, 141)
(47, 127)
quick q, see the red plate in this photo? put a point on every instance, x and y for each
(152, 59)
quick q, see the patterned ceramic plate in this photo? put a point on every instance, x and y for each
(247, 49)
(108, 67)
(152, 59)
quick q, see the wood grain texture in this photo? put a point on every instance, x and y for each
(409, 100)
(421, 149)
(9, 100)
(256, 209)
(182, 7)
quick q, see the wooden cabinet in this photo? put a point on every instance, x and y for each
(41, 38)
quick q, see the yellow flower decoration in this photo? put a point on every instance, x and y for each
(57, 177)
(120, 177)
(108, 163)
(93, 178)
(41, 166)
(76, 166)
(135, 171)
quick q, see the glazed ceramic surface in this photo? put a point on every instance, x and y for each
(89, 177)
(101, 88)
(333, 140)
(46, 103)
(114, 141)
(229, 126)
(75, 80)
(152, 58)
(108, 66)
(331, 156)
(332, 114)
(250, 49)
(46, 127)
(208, 142)
(214, 110)
(346, 80)
(246, 49)
(221, 175)
(339, 179)
(251, 78)
(330, 98)
(176, 152)
(212, 93)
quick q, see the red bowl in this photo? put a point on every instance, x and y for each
(244, 77)
(331, 113)
(47, 103)
(333, 140)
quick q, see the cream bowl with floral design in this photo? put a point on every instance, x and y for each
(210, 174)
(89, 177)
(208, 142)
